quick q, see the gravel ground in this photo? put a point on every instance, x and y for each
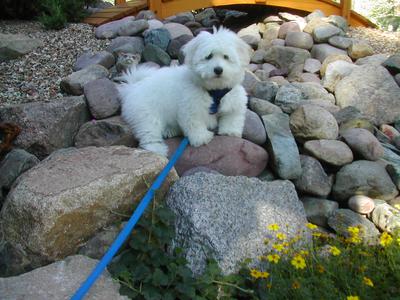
(37, 75)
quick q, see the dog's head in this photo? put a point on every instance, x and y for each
(218, 59)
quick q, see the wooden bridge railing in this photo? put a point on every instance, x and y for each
(165, 8)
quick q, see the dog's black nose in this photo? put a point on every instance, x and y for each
(218, 70)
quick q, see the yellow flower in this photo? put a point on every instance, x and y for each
(368, 281)
(273, 227)
(354, 240)
(353, 230)
(311, 226)
(320, 269)
(255, 273)
(397, 206)
(281, 236)
(398, 241)
(304, 252)
(274, 258)
(298, 262)
(334, 250)
(264, 274)
(295, 285)
(386, 239)
(352, 298)
(317, 234)
(278, 247)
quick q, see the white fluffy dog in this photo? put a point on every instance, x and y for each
(193, 99)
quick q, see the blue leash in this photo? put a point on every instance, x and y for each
(81, 292)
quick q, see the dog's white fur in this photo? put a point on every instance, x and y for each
(167, 102)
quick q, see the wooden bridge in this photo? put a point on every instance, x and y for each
(165, 8)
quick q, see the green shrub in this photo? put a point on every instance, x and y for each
(53, 16)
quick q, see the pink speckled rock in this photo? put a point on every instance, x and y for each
(229, 156)
(361, 204)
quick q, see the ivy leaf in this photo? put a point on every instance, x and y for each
(151, 293)
(186, 290)
(159, 278)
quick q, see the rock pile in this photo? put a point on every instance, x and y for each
(322, 125)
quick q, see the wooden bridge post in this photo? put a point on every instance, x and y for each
(155, 6)
(346, 9)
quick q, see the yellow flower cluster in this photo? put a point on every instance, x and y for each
(368, 281)
(258, 274)
(334, 250)
(273, 227)
(354, 235)
(386, 239)
(352, 298)
(311, 226)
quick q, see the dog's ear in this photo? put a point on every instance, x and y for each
(190, 48)
(245, 52)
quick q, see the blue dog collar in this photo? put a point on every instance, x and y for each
(216, 96)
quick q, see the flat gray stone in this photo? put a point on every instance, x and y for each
(322, 51)
(313, 179)
(281, 146)
(263, 107)
(59, 281)
(363, 177)
(225, 218)
(159, 37)
(110, 29)
(133, 27)
(127, 44)
(16, 162)
(319, 210)
(107, 132)
(254, 130)
(299, 40)
(152, 53)
(341, 219)
(16, 45)
(103, 58)
(333, 152)
(102, 98)
(73, 84)
(322, 33)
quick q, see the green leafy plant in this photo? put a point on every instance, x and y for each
(147, 270)
(333, 268)
(53, 16)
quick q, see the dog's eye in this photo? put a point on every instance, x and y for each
(209, 57)
(226, 57)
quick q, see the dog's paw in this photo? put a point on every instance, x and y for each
(159, 148)
(201, 139)
(229, 132)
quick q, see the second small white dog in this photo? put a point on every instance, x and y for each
(193, 99)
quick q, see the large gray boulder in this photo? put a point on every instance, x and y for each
(333, 152)
(225, 218)
(16, 45)
(59, 281)
(319, 210)
(373, 91)
(47, 126)
(103, 58)
(364, 177)
(281, 146)
(63, 201)
(322, 51)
